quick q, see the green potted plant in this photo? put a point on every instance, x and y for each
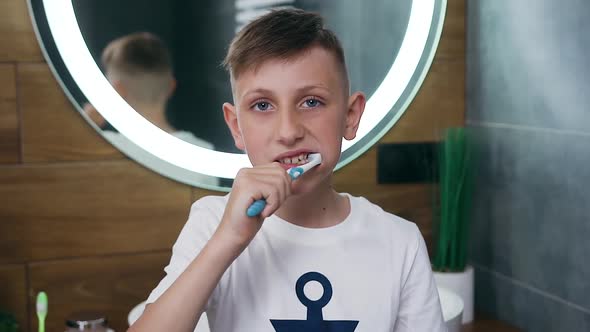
(449, 262)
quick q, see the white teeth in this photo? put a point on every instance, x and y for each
(297, 160)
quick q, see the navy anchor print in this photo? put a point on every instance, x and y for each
(315, 321)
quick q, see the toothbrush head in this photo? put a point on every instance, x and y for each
(313, 160)
(41, 305)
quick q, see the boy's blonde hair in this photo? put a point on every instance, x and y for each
(142, 62)
(281, 34)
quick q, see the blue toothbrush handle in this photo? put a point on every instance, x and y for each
(256, 208)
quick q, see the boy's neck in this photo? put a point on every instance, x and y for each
(323, 207)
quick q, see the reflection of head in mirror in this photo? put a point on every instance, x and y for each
(139, 67)
(292, 99)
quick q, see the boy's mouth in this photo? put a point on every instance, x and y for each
(299, 159)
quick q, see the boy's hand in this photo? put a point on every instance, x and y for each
(270, 182)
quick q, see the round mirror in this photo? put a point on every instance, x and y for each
(389, 46)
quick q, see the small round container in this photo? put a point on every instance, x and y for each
(88, 322)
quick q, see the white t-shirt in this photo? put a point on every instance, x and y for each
(375, 264)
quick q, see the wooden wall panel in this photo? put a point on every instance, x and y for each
(452, 42)
(52, 128)
(17, 38)
(439, 104)
(13, 293)
(110, 285)
(9, 133)
(82, 209)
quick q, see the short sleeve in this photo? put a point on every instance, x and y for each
(419, 308)
(197, 231)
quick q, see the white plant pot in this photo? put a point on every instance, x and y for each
(462, 284)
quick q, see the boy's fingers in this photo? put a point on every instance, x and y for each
(271, 183)
(286, 181)
(284, 185)
(273, 201)
(272, 174)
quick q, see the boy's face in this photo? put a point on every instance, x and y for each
(288, 108)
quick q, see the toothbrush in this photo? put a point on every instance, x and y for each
(314, 159)
(41, 310)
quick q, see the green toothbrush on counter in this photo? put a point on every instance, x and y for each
(41, 310)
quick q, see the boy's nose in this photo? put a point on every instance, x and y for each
(289, 127)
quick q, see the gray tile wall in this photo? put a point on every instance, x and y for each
(528, 102)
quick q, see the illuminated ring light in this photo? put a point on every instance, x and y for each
(85, 72)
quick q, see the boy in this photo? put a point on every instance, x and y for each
(314, 260)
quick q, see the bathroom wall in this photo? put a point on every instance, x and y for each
(528, 101)
(94, 229)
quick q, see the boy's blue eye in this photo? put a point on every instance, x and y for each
(262, 106)
(312, 102)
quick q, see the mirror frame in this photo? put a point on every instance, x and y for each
(73, 66)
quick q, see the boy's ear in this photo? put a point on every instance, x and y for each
(231, 119)
(356, 107)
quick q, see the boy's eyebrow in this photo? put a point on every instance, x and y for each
(302, 89)
(310, 87)
(257, 91)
